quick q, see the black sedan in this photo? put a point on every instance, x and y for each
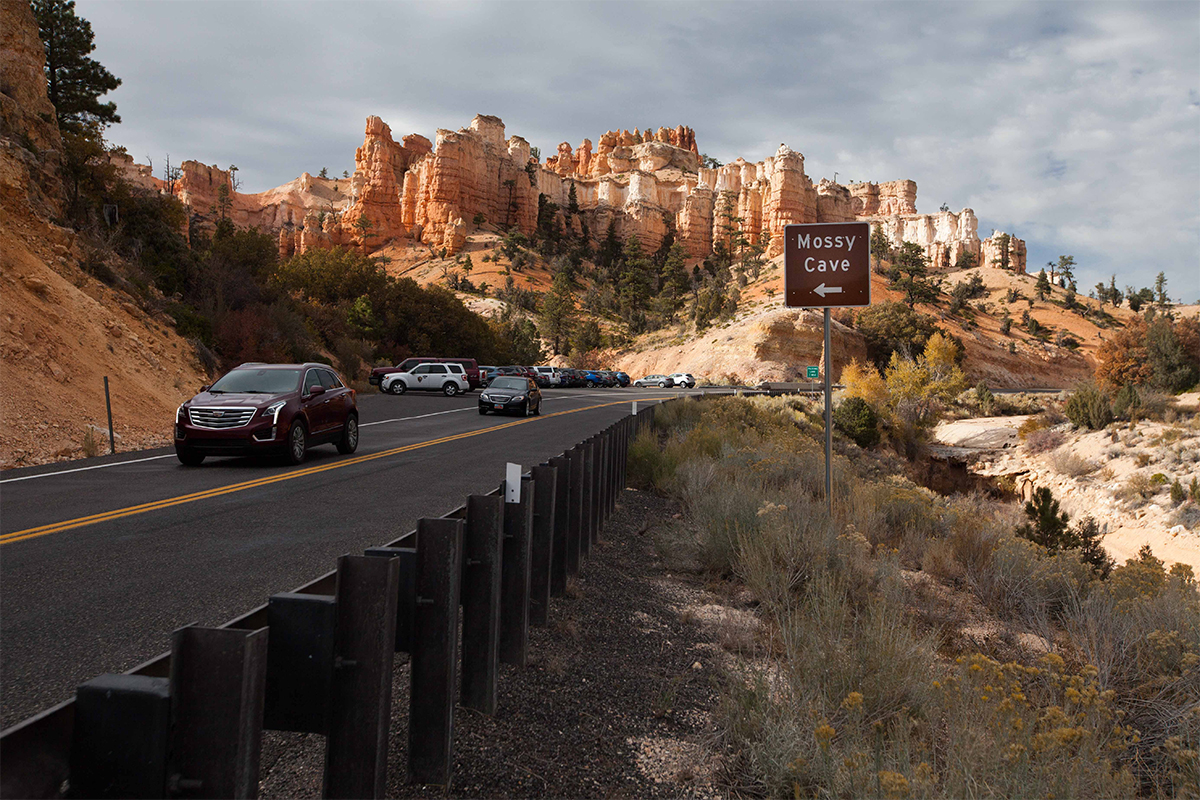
(511, 393)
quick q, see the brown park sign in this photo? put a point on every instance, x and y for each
(827, 265)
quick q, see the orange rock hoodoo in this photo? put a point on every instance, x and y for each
(647, 183)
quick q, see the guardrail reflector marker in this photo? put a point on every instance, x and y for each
(512, 483)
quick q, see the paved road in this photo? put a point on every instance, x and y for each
(98, 566)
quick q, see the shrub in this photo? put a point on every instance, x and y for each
(1044, 439)
(1125, 402)
(1141, 631)
(1067, 462)
(1088, 407)
(1178, 493)
(1047, 526)
(891, 327)
(1138, 486)
(985, 399)
(855, 418)
(1034, 423)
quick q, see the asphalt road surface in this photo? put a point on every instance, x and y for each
(100, 560)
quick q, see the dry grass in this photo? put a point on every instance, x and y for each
(91, 446)
(853, 698)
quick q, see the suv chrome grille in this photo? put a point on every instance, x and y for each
(221, 417)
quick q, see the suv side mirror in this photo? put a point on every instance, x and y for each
(316, 390)
(205, 388)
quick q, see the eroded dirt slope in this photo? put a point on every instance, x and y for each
(61, 333)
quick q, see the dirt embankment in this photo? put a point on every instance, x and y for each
(61, 332)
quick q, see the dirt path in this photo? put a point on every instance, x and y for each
(616, 700)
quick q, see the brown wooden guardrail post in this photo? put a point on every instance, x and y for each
(406, 594)
(434, 667)
(562, 524)
(545, 479)
(588, 531)
(482, 547)
(361, 708)
(120, 742)
(597, 487)
(609, 443)
(300, 654)
(514, 584)
(218, 677)
(577, 513)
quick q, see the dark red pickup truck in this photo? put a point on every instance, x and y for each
(469, 365)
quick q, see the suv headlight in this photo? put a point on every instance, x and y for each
(273, 410)
(179, 415)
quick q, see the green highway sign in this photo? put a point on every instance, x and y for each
(812, 373)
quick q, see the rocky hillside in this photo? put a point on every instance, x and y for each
(62, 330)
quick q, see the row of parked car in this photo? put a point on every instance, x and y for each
(454, 375)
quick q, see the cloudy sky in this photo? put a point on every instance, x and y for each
(1075, 126)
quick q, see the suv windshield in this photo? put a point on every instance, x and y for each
(258, 381)
(517, 384)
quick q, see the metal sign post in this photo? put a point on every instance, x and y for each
(827, 265)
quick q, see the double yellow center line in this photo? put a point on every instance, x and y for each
(108, 516)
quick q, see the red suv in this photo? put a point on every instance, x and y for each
(470, 366)
(268, 408)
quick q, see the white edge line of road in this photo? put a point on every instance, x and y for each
(172, 455)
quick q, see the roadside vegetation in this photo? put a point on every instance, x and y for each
(865, 679)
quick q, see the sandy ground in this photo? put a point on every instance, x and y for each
(1108, 458)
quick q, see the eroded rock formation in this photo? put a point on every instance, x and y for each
(28, 131)
(649, 183)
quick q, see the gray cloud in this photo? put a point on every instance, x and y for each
(1075, 126)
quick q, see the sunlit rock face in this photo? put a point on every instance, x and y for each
(650, 183)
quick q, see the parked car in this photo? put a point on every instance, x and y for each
(469, 365)
(486, 374)
(661, 381)
(571, 378)
(268, 408)
(552, 375)
(684, 379)
(447, 378)
(511, 394)
(593, 378)
(622, 379)
(516, 369)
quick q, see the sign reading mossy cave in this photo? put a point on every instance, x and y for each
(827, 265)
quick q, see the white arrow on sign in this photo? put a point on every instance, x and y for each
(824, 290)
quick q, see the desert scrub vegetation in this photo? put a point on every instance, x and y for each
(909, 395)
(850, 693)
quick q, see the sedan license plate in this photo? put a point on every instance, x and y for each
(499, 405)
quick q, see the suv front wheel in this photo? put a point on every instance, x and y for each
(349, 441)
(398, 387)
(297, 442)
(189, 458)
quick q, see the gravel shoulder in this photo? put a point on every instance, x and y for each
(616, 700)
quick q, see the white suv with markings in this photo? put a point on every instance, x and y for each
(550, 374)
(449, 379)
